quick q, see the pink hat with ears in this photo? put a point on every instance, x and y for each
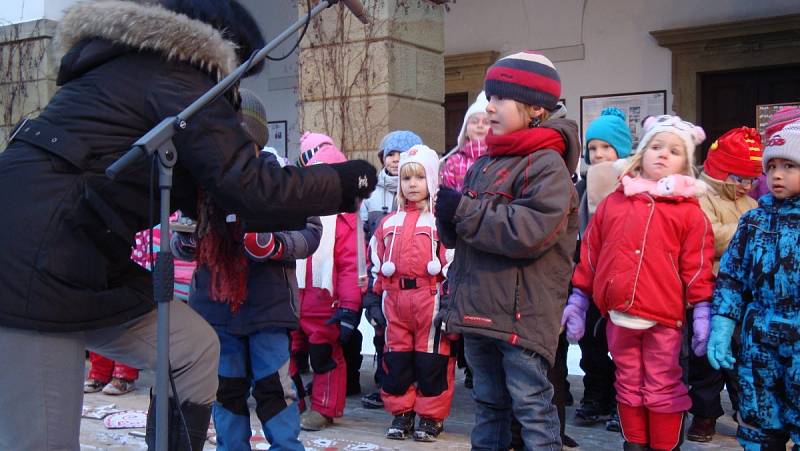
(318, 148)
(691, 135)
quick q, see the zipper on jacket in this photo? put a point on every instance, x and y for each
(291, 293)
(517, 314)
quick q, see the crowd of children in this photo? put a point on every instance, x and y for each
(497, 256)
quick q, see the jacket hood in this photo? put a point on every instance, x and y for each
(145, 27)
(569, 131)
(723, 189)
(387, 181)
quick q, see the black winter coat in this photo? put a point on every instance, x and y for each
(67, 229)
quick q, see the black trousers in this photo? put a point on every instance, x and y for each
(706, 383)
(598, 380)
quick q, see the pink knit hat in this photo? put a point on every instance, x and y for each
(318, 148)
(780, 119)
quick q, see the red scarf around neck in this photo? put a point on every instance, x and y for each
(525, 142)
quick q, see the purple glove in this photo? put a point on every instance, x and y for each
(700, 327)
(574, 316)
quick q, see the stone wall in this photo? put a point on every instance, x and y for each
(28, 72)
(358, 82)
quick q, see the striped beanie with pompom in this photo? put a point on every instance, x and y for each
(527, 77)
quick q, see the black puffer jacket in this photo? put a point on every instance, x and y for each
(67, 229)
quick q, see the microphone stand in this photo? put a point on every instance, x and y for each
(159, 139)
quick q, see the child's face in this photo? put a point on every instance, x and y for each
(783, 178)
(391, 162)
(743, 184)
(505, 116)
(477, 126)
(414, 187)
(600, 150)
(664, 155)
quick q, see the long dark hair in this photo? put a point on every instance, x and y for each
(230, 18)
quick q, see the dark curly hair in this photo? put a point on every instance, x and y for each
(230, 18)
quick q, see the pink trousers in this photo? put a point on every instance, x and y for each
(648, 368)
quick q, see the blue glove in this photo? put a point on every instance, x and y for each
(348, 321)
(447, 200)
(720, 354)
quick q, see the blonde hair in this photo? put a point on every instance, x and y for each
(634, 166)
(412, 169)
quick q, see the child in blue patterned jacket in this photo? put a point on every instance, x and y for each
(758, 288)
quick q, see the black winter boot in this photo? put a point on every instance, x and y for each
(628, 446)
(197, 417)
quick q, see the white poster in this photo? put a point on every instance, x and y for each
(636, 106)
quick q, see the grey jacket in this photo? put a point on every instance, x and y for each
(514, 236)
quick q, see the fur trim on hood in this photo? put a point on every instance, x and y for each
(148, 27)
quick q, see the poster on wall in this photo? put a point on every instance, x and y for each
(635, 105)
(277, 137)
(765, 111)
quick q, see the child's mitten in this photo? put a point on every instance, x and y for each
(700, 324)
(574, 316)
(348, 321)
(720, 354)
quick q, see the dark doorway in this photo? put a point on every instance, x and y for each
(455, 107)
(729, 99)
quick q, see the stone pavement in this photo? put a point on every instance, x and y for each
(362, 429)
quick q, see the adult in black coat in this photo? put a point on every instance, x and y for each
(67, 282)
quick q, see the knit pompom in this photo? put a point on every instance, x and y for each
(613, 111)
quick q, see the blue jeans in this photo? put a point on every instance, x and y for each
(509, 378)
(257, 362)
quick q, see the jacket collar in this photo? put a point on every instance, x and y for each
(148, 28)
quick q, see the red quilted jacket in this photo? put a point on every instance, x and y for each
(647, 256)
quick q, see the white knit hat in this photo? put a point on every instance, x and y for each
(429, 160)
(691, 135)
(479, 106)
(784, 144)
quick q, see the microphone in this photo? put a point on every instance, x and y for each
(357, 9)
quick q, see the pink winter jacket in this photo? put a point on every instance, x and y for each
(457, 164)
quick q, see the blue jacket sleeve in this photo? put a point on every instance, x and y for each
(733, 280)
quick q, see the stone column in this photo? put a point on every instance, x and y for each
(28, 72)
(358, 82)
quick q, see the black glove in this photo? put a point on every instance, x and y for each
(373, 310)
(357, 179)
(348, 321)
(438, 320)
(447, 200)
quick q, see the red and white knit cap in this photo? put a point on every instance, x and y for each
(527, 77)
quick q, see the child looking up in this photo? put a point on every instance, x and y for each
(758, 288)
(646, 253)
(514, 230)
(407, 263)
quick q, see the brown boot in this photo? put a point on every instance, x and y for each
(702, 429)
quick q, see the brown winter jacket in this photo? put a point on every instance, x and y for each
(723, 210)
(514, 239)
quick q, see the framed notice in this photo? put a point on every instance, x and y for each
(636, 106)
(764, 114)
(277, 137)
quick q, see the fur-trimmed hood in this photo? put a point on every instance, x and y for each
(149, 27)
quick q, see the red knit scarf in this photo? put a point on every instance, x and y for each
(219, 248)
(525, 142)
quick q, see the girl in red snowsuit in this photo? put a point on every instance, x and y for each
(408, 262)
(330, 299)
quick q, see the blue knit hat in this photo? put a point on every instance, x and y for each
(399, 141)
(611, 127)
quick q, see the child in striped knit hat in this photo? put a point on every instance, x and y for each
(513, 227)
